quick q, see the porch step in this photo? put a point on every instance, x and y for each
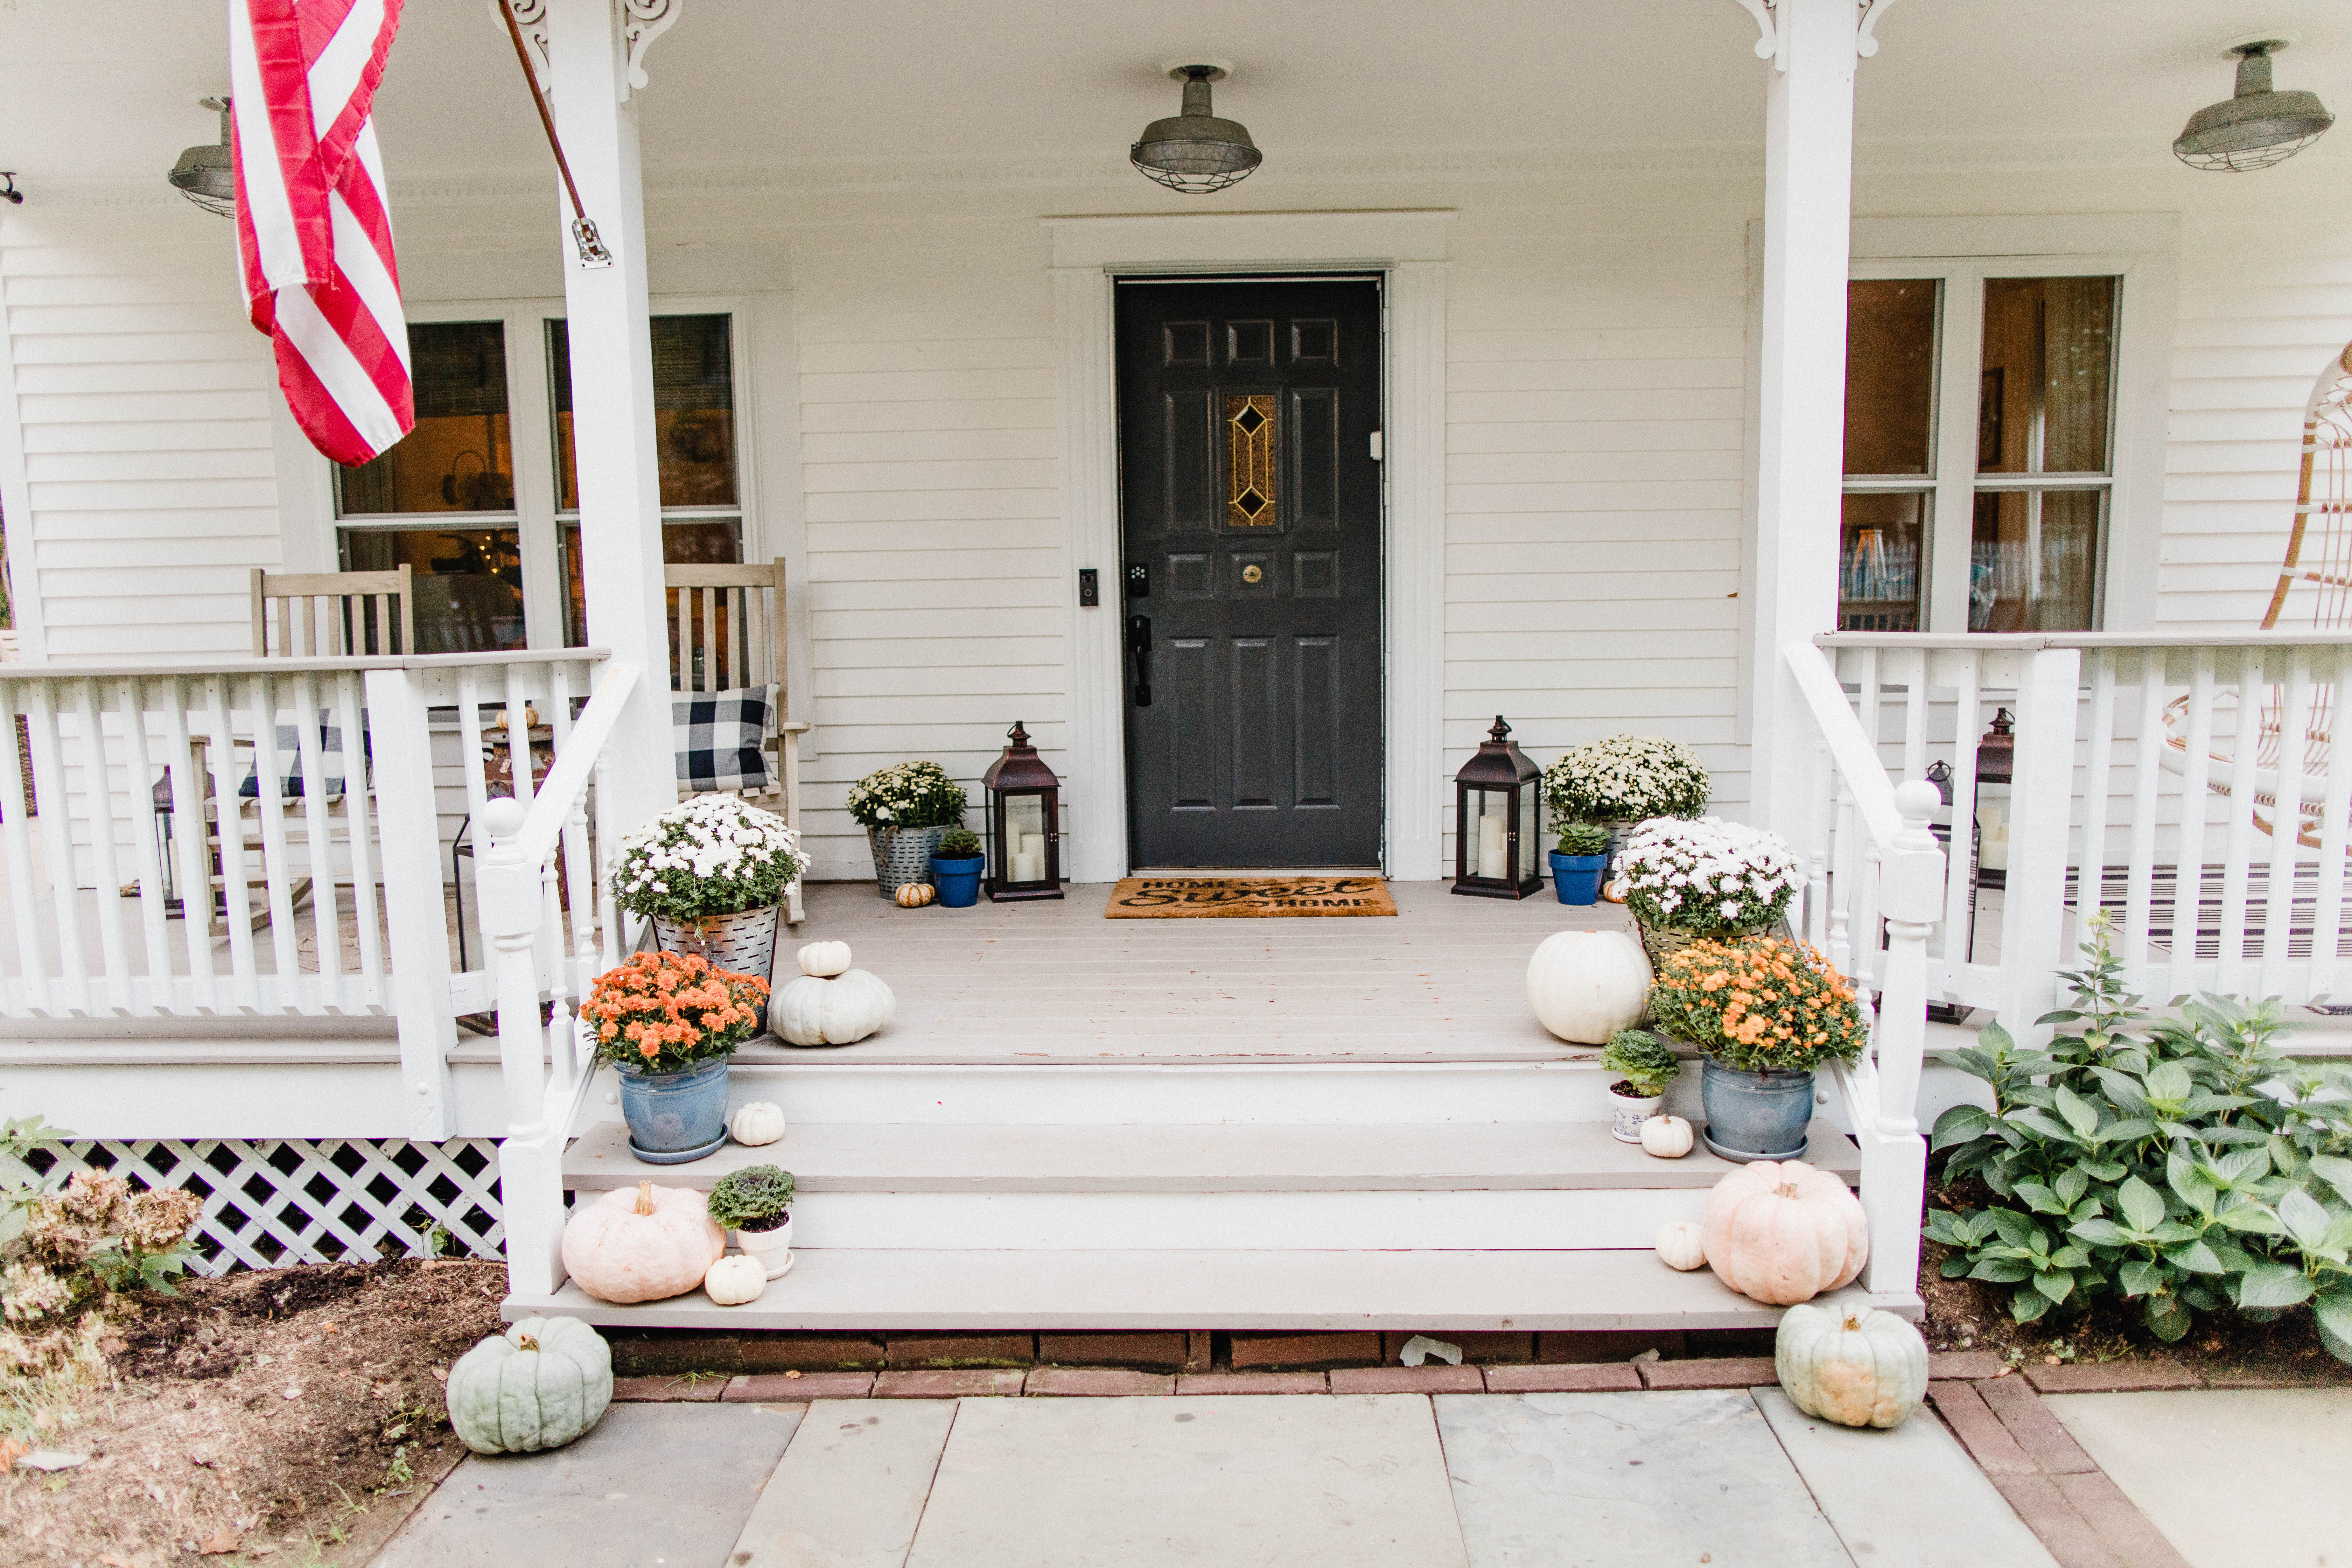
(1301, 1289)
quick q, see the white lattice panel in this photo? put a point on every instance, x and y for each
(272, 1202)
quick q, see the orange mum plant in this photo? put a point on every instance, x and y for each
(667, 1012)
(1759, 1005)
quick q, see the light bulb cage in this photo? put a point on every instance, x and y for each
(1194, 152)
(206, 175)
(2258, 125)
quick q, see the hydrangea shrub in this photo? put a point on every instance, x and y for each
(1709, 875)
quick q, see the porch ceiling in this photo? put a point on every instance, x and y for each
(737, 83)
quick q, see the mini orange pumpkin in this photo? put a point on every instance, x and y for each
(915, 895)
(642, 1244)
(1782, 1231)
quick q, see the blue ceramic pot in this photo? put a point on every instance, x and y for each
(1754, 1115)
(1577, 877)
(675, 1113)
(958, 880)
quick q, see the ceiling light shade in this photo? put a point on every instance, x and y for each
(206, 175)
(2258, 127)
(1195, 152)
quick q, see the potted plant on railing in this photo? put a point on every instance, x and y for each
(710, 873)
(754, 1206)
(666, 1023)
(1646, 1065)
(956, 868)
(906, 809)
(1707, 879)
(1577, 864)
(1764, 1013)
(1626, 779)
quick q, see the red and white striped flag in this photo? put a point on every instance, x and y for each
(313, 216)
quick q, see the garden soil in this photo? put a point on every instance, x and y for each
(284, 1417)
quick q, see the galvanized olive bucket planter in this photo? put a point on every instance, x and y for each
(1754, 1116)
(744, 942)
(903, 855)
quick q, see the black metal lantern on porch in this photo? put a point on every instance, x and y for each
(1996, 770)
(1024, 823)
(1498, 802)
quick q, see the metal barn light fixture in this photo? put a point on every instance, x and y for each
(206, 175)
(2260, 125)
(1195, 152)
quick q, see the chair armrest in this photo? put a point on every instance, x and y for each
(794, 726)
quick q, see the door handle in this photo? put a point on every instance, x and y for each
(1138, 643)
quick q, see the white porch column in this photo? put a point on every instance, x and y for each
(1808, 205)
(613, 397)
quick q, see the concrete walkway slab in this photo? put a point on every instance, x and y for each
(851, 1488)
(652, 1485)
(2230, 1477)
(1617, 1480)
(1907, 1498)
(1346, 1481)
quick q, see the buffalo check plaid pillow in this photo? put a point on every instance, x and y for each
(721, 738)
(330, 740)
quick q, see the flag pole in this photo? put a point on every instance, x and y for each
(593, 252)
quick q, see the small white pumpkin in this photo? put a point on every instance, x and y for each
(540, 1384)
(1865, 1368)
(1782, 1231)
(915, 895)
(641, 1243)
(1586, 986)
(824, 959)
(1666, 1137)
(840, 1011)
(756, 1123)
(1679, 1246)
(735, 1279)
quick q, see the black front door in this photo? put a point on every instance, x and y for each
(1251, 511)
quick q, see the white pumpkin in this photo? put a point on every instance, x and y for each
(1865, 1368)
(1679, 1246)
(641, 1243)
(1782, 1231)
(735, 1279)
(824, 959)
(756, 1123)
(540, 1384)
(1588, 984)
(1666, 1137)
(811, 1011)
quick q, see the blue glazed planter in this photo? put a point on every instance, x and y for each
(1577, 877)
(674, 1116)
(958, 881)
(1754, 1116)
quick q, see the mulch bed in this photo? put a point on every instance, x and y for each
(254, 1415)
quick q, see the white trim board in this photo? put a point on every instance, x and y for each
(1409, 248)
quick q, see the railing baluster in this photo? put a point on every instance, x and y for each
(129, 699)
(2245, 745)
(2140, 887)
(193, 876)
(236, 899)
(2196, 805)
(2091, 879)
(270, 807)
(2327, 912)
(713, 673)
(472, 762)
(33, 961)
(318, 846)
(55, 796)
(98, 791)
(2286, 833)
(1817, 858)
(351, 718)
(608, 908)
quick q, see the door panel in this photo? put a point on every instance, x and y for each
(1250, 510)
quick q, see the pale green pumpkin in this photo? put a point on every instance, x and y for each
(1865, 1368)
(541, 1383)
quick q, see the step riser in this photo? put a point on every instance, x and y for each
(1584, 1219)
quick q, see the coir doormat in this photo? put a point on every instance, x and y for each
(1216, 898)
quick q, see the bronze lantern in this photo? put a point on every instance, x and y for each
(1024, 823)
(1497, 798)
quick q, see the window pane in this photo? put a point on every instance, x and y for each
(460, 456)
(706, 540)
(2049, 362)
(694, 411)
(1881, 543)
(469, 582)
(1890, 375)
(2033, 561)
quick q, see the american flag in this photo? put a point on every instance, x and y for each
(314, 216)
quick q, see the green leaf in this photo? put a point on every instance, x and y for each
(2039, 1121)
(2181, 1174)
(2128, 1129)
(1960, 1124)
(2099, 1232)
(1947, 1227)
(2028, 1305)
(1955, 1266)
(2143, 1207)
(2166, 1317)
(2057, 1284)
(2169, 1081)
(2041, 1199)
(2304, 1218)
(2337, 1172)
(2070, 1184)
(2140, 1277)
(2105, 1170)
(2000, 1271)
(2275, 1286)
(2014, 1228)
(2071, 1256)
(2080, 1114)
(2334, 1312)
(1995, 1040)
(2196, 1258)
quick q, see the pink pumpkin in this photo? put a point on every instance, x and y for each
(642, 1243)
(1782, 1231)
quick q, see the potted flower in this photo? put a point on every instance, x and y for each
(1646, 1065)
(956, 868)
(1577, 864)
(754, 1206)
(1626, 779)
(1764, 1011)
(710, 873)
(906, 809)
(666, 1023)
(1708, 878)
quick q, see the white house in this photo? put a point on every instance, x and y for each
(1550, 315)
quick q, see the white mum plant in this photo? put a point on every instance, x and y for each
(711, 854)
(1709, 875)
(1626, 778)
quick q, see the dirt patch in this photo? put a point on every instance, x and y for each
(255, 1418)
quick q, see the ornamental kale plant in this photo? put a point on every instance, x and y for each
(1584, 840)
(958, 844)
(1646, 1063)
(907, 795)
(1626, 778)
(2184, 1164)
(1709, 874)
(712, 854)
(755, 1198)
